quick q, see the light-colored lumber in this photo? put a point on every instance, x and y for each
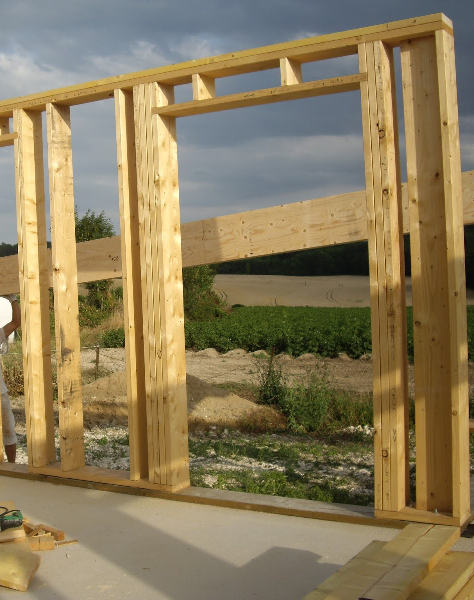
(8, 139)
(308, 224)
(347, 83)
(447, 579)
(413, 565)
(17, 566)
(113, 477)
(170, 286)
(345, 572)
(290, 72)
(467, 592)
(255, 59)
(438, 290)
(203, 87)
(131, 276)
(12, 534)
(4, 128)
(34, 283)
(449, 124)
(66, 307)
(57, 534)
(387, 277)
(142, 98)
(42, 542)
(375, 566)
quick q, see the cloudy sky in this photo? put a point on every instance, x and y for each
(230, 161)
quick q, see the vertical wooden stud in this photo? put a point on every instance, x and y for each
(438, 279)
(449, 122)
(4, 129)
(387, 276)
(131, 276)
(66, 307)
(163, 313)
(290, 72)
(34, 280)
(203, 87)
(4, 125)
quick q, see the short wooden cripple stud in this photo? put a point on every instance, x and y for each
(153, 246)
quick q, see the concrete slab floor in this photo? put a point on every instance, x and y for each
(147, 548)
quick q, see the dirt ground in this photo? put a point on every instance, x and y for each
(105, 399)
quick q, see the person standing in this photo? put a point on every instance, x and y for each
(8, 420)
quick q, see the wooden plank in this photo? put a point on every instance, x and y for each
(290, 72)
(8, 139)
(4, 128)
(437, 288)
(387, 274)
(131, 275)
(34, 274)
(374, 567)
(170, 286)
(266, 57)
(413, 566)
(68, 353)
(113, 477)
(458, 350)
(17, 566)
(400, 565)
(145, 191)
(12, 534)
(343, 574)
(314, 223)
(203, 87)
(42, 542)
(467, 592)
(447, 579)
(311, 89)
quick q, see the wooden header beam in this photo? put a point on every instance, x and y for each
(247, 61)
(321, 222)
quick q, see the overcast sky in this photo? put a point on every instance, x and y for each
(230, 161)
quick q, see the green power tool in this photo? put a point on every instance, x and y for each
(10, 518)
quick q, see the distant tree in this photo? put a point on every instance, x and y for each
(94, 226)
(8, 249)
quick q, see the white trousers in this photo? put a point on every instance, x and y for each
(8, 422)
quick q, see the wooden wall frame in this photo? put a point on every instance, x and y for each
(153, 246)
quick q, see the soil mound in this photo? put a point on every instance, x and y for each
(105, 402)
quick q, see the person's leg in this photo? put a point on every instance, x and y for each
(10, 451)
(8, 427)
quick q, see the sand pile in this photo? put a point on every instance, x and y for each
(105, 401)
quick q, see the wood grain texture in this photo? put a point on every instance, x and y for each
(34, 276)
(131, 277)
(66, 309)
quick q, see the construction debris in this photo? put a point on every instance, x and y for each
(18, 563)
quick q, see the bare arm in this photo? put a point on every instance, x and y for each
(16, 317)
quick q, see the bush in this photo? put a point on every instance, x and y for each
(201, 303)
(113, 338)
(314, 406)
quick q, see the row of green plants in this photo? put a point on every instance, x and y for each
(326, 332)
